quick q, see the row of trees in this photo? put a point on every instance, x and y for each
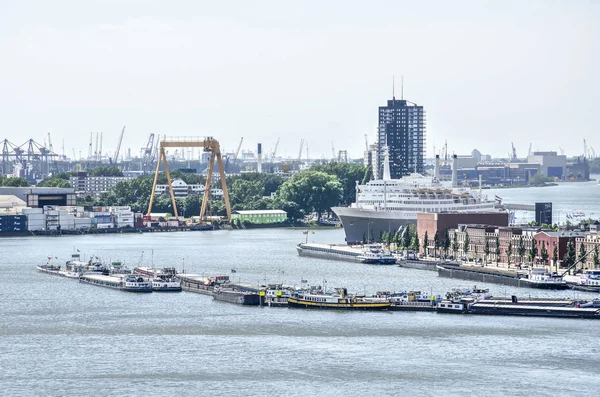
(13, 182)
(311, 191)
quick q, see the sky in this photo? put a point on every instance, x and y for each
(487, 73)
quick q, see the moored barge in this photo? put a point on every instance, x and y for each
(129, 283)
(336, 301)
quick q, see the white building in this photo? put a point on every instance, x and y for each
(95, 185)
(182, 189)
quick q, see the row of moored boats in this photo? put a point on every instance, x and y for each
(115, 275)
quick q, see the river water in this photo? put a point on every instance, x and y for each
(59, 337)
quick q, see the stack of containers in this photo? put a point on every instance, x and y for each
(124, 218)
(36, 219)
(66, 220)
(13, 223)
(51, 217)
(103, 220)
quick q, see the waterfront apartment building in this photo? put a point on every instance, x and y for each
(402, 129)
(85, 185)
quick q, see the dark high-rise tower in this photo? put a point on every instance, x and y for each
(402, 128)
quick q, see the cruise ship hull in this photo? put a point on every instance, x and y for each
(359, 224)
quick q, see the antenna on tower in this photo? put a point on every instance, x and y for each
(393, 87)
(402, 88)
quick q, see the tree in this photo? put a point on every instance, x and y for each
(53, 182)
(109, 170)
(533, 251)
(544, 254)
(426, 244)
(486, 249)
(407, 237)
(313, 191)
(455, 244)
(466, 244)
(595, 257)
(555, 256)
(436, 242)
(446, 242)
(497, 250)
(570, 254)
(509, 252)
(581, 253)
(347, 174)
(414, 244)
(521, 249)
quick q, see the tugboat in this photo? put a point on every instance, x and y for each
(538, 277)
(339, 300)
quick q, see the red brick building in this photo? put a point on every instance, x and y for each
(432, 222)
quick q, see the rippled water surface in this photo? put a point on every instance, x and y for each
(59, 337)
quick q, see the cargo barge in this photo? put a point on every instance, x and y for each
(238, 297)
(129, 283)
(533, 311)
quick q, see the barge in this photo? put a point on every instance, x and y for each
(373, 254)
(239, 297)
(129, 283)
(533, 311)
(336, 301)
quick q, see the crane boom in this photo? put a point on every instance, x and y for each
(237, 151)
(275, 150)
(116, 158)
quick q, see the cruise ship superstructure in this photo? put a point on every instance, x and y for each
(386, 205)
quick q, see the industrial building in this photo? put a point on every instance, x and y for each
(86, 185)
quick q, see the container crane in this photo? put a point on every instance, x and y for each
(301, 146)
(52, 148)
(333, 158)
(514, 152)
(116, 158)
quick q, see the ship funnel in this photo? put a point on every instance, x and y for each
(386, 164)
(454, 171)
(436, 170)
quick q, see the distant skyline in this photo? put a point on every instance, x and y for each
(487, 73)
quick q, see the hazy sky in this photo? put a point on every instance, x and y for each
(488, 73)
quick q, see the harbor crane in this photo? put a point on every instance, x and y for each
(529, 152)
(301, 146)
(235, 155)
(367, 143)
(333, 158)
(52, 148)
(275, 150)
(513, 156)
(147, 153)
(116, 158)
(209, 144)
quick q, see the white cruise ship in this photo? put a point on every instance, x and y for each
(389, 204)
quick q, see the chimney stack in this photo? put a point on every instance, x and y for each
(454, 170)
(259, 159)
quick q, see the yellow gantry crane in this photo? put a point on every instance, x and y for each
(210, 145)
